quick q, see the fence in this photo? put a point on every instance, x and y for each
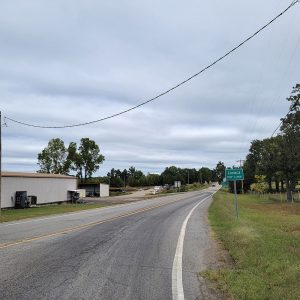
(280, 197)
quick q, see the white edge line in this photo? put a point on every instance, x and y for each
(177, 284)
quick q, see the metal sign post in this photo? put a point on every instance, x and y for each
(235, 200)
(234, 175)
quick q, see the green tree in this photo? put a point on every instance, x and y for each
(260, 186)
(88, 158)
(252, 161)
(171, 174)
(153, 179)
(115, 178)
(53, 158)
(205, 175)
(269, 160)
(290, 142)
(219, 172)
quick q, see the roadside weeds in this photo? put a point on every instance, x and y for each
(264, 245)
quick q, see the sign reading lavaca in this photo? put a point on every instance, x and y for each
(234, 174)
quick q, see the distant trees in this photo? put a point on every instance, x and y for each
(135, 177)
(58, 159)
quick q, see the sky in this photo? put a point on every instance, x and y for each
(66, 62)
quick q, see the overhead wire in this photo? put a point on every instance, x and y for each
(257, 91)
(165, 92)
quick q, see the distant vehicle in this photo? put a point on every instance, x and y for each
(213, 184)
(156, 189)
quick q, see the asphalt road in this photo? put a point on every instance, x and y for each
(140, 250)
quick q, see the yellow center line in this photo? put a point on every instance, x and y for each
(77, 228)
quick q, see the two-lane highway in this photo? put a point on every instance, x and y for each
(151, 249)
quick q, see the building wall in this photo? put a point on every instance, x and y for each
(47, 190)
(82, 193)
(104, 190)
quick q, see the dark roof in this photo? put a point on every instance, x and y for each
(35, 175)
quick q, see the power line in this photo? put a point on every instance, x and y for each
(276, 129)
(281, 122)
(170, 89)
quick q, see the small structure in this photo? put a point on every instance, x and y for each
(95, 189)
(37, 188)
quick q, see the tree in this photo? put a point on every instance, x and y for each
(269, 160)
(88, 158)
(171, 174)
(53, 158)
(115, 178)
(70, 163)
(205, 175)
(219, 172)
(260, 186)
(153, 179)
(251, 164)
(290, 142)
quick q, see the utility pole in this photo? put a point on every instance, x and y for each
(241, 161)
(5, 125)
(0, 161)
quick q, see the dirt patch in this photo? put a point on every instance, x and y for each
(126, 198)
(280, 208)
(216, 258)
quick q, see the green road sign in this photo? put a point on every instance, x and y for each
(234, 174)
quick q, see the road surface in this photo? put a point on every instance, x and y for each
(151, 249)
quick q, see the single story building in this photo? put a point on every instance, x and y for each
(95, 189)
(43, 188)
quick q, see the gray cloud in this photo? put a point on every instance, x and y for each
(63, 63)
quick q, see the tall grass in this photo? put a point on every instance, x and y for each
(264, 244)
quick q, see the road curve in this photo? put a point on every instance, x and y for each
(121, 252)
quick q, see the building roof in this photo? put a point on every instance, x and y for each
(35, 175)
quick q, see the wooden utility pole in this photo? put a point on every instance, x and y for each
(0, 161)
(241, 161)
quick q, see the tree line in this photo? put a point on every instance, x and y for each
(134, 177)
(277, 158)
(85, 159)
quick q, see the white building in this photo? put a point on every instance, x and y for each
(47, 188)
(95, 189)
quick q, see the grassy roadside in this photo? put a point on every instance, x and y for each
(264, 244)
(196, 187)
(45, 210)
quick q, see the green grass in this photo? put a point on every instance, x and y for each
(264, 245)
(45, 210)
(196, 187)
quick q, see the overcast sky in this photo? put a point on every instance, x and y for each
(65, 62)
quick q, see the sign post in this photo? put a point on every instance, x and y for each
(234, 175)
(177, 184)
(235, 200)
